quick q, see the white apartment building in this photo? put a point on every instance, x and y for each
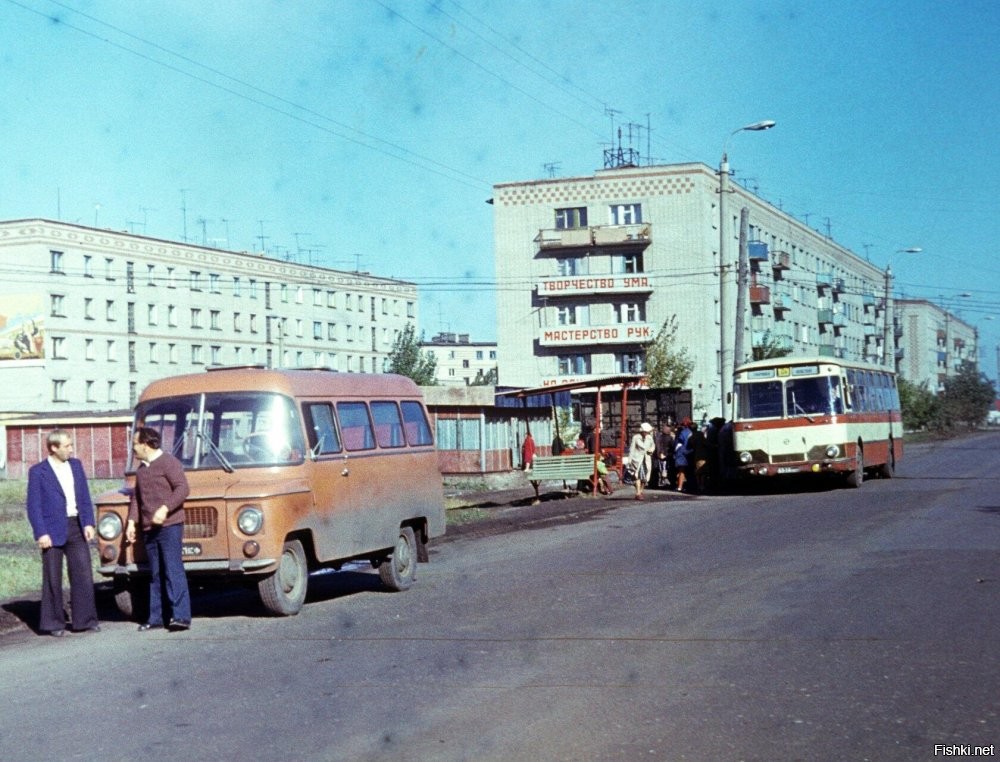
(89, 317)
(461, 362)
(932, 343)
(589, 268)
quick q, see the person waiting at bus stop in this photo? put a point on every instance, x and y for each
(640, 457)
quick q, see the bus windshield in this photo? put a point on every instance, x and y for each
(226, 430)
(816, 395)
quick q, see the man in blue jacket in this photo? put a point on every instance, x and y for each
(62, 519)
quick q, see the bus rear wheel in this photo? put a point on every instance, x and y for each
(284, 591)
(399, 570)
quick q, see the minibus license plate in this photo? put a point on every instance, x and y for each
(189, 549)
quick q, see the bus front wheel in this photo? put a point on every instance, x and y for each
(284, 591)
(857, 477)
(398, 571)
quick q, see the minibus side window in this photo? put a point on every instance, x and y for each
(388, 426)
(320, 429)
(418, 432)
(355, 426)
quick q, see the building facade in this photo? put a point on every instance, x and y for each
(89, 317)
(461, 362)
(932, 344)
(590, 268)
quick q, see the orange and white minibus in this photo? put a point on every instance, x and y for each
(816, 415)
(290, 471)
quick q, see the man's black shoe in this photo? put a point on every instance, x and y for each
(57, 633)
(178, 625)
(147, 627)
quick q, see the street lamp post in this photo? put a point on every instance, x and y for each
(727, 325)
(888, 337)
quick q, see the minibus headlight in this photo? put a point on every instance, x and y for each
(746, 457)
(109, 527)
(250, 519)
(832, 451)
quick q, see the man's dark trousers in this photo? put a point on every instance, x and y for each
(81, 582)
(163, 549)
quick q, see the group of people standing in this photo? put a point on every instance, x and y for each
(61, 514)
(688, 457)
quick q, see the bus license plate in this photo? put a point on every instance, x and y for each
(189, 549)
(787, 470)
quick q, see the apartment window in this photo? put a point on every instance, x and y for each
(331, 299)
(253, 289)
(493, 354)
(572, 266)
(112, 391)
(58, 304)
(629, 362)
(196, 354)
(154, 355)
(172, 353)
(88, 266)
(109, 268)
(152, 313)
(112, 351)
(172, 315)
(109, 310)
(632, 312)
(236, 285)
(479, 354)
(361, 302)
(150, 275)
(171, 280)
(216, 355)
(130, 316)
(299, 295)
(253, 323)
(267, 295)
(89, 391)
(56, 260)
(133, 394)
(317, 330)
(195, 317)
(195, 280)
(465, 363)
(236, 323)
(213, 320)
(573, 217)
(349, 333)
(237, 355)
(573, 364)
(58, 348)
(58, 390)
(385, 306)
(317, 298)
(130, 277)
(627, 263)
(300, 328)
(626, 214)
(88, 349)
(132, 365)
(284, 293)
(566, 315)
(213, 283)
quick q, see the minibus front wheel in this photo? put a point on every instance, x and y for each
(284, 591)
(398, 571)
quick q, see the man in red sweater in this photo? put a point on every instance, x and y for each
(158, 505)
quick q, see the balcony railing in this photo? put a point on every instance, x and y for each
(781, 260)
(628, 236)
(824, 317)
(781, 300)
(757, 251)
(827, 350)
(824, 280)
(760, 295)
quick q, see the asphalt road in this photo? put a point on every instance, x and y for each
(808, 623)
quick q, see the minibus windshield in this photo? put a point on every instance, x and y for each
(817, 395)
(226, 430)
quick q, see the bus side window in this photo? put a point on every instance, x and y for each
(321, 430)
(388, 425)
(418, 432)
(355, 426)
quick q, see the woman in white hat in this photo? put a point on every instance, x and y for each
(640, 457)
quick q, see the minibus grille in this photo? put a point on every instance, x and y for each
(200, 522)
(793, 457)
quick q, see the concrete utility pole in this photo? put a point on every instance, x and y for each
(742, 288)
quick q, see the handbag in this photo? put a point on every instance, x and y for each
(628, 474)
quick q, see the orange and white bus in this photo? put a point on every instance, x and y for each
(816, 415)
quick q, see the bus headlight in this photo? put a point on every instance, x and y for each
(746, 457)
(832, 451)
(250, 519)
(109, 527)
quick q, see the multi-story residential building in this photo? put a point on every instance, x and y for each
(932, 343)
(460, 361)
(590, 268)
(89, 317)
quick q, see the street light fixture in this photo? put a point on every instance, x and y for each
(888, 341)
(727, 326)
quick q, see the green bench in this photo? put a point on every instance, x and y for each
(564, 468)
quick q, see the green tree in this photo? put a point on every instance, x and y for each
(667, 365)
(769, 348)
(407, 359)
(966, 398)
(919, 405)
(489, 378)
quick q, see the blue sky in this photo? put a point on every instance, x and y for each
(375, 129)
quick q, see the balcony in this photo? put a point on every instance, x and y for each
(824, 317)
(586, 285)
(636, 237)
(781, 260)
(757, 252)
(827, 350)
(618, 333)
(760, 295)
(868, 301)
(871, 329)
(781, 301)
(824, 281)
(837, 284)
(839, 322)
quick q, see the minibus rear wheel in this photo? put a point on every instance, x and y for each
(284, 591)
(398, 571)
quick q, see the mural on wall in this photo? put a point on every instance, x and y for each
(22, 327)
